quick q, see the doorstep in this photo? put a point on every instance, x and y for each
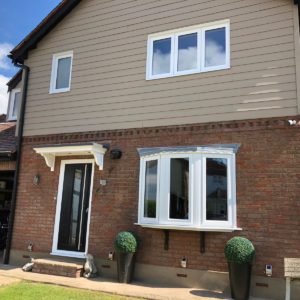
(136, 289)
(57, 267)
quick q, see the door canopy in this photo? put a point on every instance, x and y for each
(50, 152)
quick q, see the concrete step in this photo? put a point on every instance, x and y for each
(58, 268)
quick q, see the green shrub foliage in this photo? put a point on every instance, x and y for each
(239, 250)
(125, 242)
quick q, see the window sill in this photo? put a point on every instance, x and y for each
(187, 228)
(59, 91)
(183, 73)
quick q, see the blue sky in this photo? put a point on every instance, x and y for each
(18, 18)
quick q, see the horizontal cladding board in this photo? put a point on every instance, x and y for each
(161, 13)
(264, 57)
(90, 28)
(284, 92)
(133, 52)
(263, 61)
(145, 114)
(194, 99)
(195, 86)
(160, 122)
(90, 42)
(109, 90)
(172, 108)
(129, 37)
(191, 116)
(198, 80)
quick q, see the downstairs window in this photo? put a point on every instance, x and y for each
(188, 188)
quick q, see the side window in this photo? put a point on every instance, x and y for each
(14, 104)
(61, 72)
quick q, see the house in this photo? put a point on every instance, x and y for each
(8, 149)
(175, 119)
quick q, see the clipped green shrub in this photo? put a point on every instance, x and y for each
(239, 250)
(125, 242)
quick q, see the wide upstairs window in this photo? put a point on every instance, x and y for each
(188, 188)
(189, 50)
(14, 104)
(61, 72)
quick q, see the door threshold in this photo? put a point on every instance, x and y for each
(69, 254)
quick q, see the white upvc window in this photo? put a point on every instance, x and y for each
(14, 104)
(189, 50)
(192, 189)
(61, 72)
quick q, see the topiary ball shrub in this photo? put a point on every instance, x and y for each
(239, 250)
(125, 242)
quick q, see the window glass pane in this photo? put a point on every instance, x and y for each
(16, 104)
(215, 47)
(216, 189)
(161, 56)
(187, 52)
(75, 207)
(150, 189)
(179, 188)
(63, 73)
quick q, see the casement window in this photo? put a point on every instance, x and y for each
(14, 104)
(61, 72)
(189, 50)
(191, 188)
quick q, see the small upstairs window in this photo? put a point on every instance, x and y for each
(61, 72)
(195, 49)
(14, 104)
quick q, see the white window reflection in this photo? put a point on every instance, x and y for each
(215, 47)
(161, 57)
(187, 52)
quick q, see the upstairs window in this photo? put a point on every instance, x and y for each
(14, 104)
(189, 50)
(190, 188)
(61, 72)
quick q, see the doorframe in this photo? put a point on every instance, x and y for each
(56, 251)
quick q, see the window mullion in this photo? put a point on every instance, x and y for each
(173, 55)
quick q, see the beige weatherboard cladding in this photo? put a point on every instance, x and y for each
(109, 89)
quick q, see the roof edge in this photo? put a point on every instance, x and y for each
(14, 80)
(20, 52)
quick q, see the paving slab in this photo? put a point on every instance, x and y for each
(4, 280)
(135, 289)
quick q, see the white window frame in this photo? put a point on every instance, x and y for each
(55, 59)
(142, 218)
(150, 56)
(66, 253)
(231, 203)
(197, 192)
(174, 34)
(164, 212)
(12, 99)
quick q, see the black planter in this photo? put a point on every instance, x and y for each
(240, 277)
(125, 264)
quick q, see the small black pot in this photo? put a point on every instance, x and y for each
(125, 264)
(240, 278)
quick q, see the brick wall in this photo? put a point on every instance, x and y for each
(268, 189)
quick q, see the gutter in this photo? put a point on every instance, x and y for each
(18, 161)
